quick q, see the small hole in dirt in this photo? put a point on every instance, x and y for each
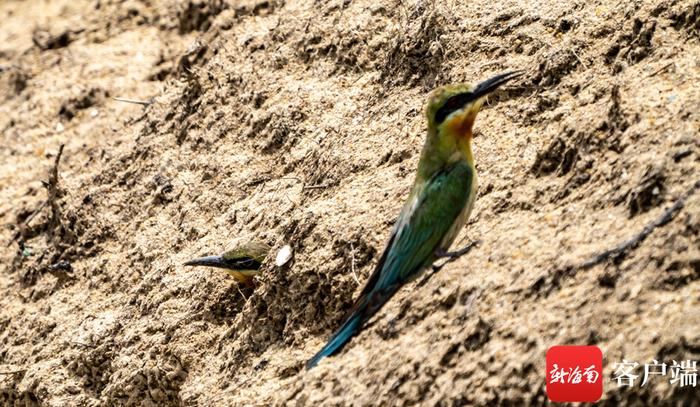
(564, 25)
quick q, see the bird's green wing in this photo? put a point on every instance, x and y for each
(423, 224)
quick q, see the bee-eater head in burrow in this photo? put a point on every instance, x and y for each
(247, 255)
(243, 262)
(452, 108)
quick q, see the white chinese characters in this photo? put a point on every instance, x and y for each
(682, 374)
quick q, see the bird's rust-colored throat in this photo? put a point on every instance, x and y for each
(460, 125)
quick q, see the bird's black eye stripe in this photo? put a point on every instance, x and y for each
(452, 104)
(244, 263)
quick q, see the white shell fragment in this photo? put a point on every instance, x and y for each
(283, 256)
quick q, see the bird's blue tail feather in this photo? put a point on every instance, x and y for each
(347, 331)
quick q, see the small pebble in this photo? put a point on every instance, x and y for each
(283, 256)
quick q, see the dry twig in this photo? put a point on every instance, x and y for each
(622, 249)
(658, 71)
(134, 101)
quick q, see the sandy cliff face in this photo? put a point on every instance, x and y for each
(300, 123)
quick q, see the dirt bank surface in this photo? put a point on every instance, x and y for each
(300, 123)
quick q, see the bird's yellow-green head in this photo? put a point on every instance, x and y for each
(452, 109)
(245, 255)
(242, 262)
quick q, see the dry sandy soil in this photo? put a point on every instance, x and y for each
(300, 123)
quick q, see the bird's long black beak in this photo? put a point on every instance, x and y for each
(489, 85)
(211, 261)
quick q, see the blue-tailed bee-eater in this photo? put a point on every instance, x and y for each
(436, 210)
(242, 262)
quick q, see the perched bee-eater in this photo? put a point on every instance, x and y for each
(242, 262)
(436, 209)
